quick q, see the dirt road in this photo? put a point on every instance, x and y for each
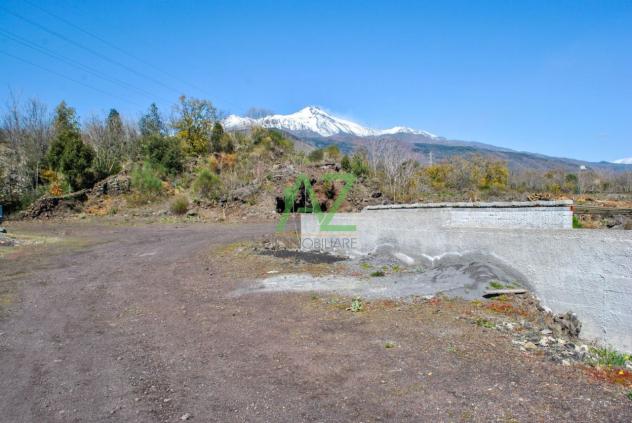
(139, 324)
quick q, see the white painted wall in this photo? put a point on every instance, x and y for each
(588, 272)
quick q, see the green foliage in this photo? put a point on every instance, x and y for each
(389, 344)
(316, 155)
(76, 162)
(146, 180)
(332, 151)
(378, 274)
(345, 163)
(484, 323)
(151, 123)
(356, 305)
(494, 284)
(359, 165)
(576, 223)
(207, 185)
(610, 357)
(179, 205)
(272, 140)
(67, 153)
(629, 395)
(163, 151)
(194, 123)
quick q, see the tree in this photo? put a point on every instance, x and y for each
(164, 152)
(194, 120)
(333, 151)
(151, 123)
(108, 138)
(216, 137)
(67, 153)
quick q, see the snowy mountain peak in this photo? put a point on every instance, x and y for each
(316, 120)
(624, 161)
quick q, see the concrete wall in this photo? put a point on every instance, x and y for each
(588, 272)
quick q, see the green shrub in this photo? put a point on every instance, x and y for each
(145, 179)
(359, 165)
(316, 155)
(610, 357)
(345, 163)
(179, 205)
(207, 185)
(576, 223)
(378, 274)
(164, 152)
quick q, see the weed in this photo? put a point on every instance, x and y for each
(484, 323)
(396, 268)
(496, 284)
(378, 274)
(629, 395)
(179, 205)
(356, 305)
(365, 265)
(576, 223)
(389, 344)
(610, 357)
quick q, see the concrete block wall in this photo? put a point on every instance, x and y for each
(588, 272)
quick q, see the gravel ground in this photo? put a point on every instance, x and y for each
(140, 323)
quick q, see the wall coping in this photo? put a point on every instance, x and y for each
(474, 205)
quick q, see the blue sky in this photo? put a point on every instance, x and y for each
(553, 77)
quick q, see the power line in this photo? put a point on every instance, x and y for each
(68, 78)
(111, 45)
(67, 60)
(96, 53)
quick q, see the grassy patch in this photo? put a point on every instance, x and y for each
(610, 358)
(378, 274)
(365, 266)
(496, 285)
(576, 223)
(179, 205)
(484, 323)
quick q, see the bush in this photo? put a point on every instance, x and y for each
(316, 155)
(345, 163)
(333, 151)
(163, 151)
(145, 179)
(179, 205)
(359, 165)
(207, 185)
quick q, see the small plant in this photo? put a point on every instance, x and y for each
(494, 284)
(378, 274)
(576, 223)
(365, 265)
(610, 357)
(389, 344)
(145, 179)
(395, 268)
(629, 395)
(484, 323)
(207, 185)
(179, 205)
(356, 305)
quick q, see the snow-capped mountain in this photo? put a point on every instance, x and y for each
(316, 120)
(624, 161)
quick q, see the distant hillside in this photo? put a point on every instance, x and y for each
(313, 127)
